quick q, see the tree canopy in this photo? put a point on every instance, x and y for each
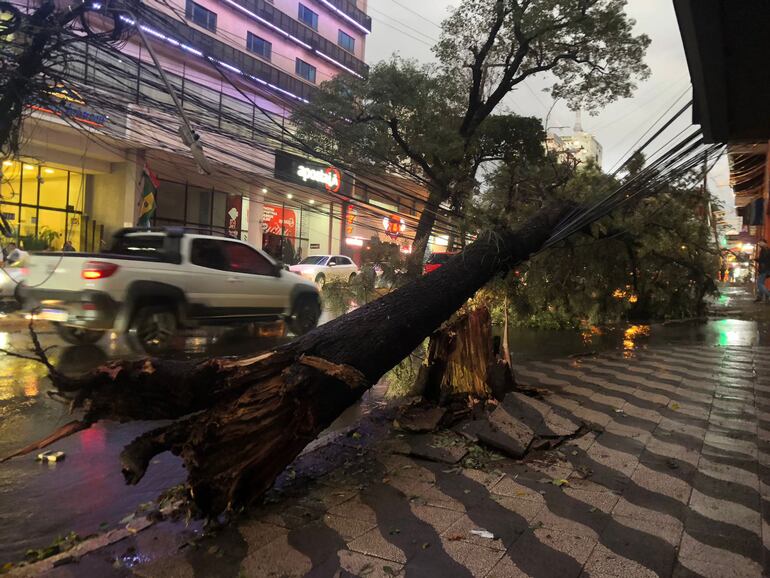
(439, 124)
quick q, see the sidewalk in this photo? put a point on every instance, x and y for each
(669, 484)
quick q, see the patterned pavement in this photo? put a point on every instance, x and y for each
(671, 482)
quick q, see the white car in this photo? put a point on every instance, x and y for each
(152, 283)
(323, 268)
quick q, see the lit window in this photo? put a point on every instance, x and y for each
(201, 16)
(305, 70)
(259, 46)
(307, 16)
(346, 41)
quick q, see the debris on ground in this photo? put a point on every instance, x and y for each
(447, 448)
(483, 534)
(50, 456)
(419, 418)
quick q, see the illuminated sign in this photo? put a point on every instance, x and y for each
(329, 177)
(295, 169)
(67, 102)
(393, 225)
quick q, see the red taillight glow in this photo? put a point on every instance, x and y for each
(98, 270)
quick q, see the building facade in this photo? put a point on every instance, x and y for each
(580, 147)
(239, 68)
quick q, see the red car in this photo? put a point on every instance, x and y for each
(436, 260)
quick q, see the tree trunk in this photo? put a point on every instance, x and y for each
(254, 415)
(424, 230)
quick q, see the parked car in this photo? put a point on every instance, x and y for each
(436, 260)
(150, 284)
(323, 268)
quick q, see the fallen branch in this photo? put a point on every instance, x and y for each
(256, 414)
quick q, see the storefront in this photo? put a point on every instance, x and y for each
(44, 206)
(203, 209)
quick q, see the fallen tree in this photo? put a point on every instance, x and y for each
(241, 421)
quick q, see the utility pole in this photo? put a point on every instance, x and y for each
(186, 131)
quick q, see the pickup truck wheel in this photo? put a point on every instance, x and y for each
(153, 328)
(78, 335)
(304, 316)
(320, 279)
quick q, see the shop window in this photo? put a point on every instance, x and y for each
(346, 41)
(50, 229)
(10, 184)
(201, 15)
(28, 222)
(308, 17)
(171, 202)
(53, 188)
(74, 230)
(219, 218)
(77, 192)
(29, 184)
(305, 70)
(198, 205)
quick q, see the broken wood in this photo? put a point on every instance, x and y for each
(246, 419)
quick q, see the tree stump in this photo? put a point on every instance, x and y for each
(461, 361)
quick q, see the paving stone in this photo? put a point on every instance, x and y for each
(372, 543)
(511, 488)
(691, 567)
(504, 534)
(348, 528)
(419, 418)
(355, 509)
(278, 558)
(357, 564)
(434, 448)
(437, 518)
(721, 515)
(665, 483)
(544, 552)
(721, 552)
(454, 558)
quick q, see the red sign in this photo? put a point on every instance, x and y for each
(393, 225)
(233, 216)
(279, 221)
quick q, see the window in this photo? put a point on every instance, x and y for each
(314, 260)
(229, 256)
(201, 16)
(307, 16)
(208, 253)
(138, 245)
(243, 259)
(305, 70)
(259, 46)
(346, 41)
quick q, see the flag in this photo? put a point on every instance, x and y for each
(148, 202)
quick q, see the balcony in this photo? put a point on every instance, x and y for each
(281, 20)
(349, 11)
(233, 58)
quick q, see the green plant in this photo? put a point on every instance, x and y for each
(42, 241)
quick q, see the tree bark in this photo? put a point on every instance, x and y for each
(246, 419)
(423, 231)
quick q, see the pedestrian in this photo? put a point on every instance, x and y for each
(763, 270)
(723, 271)
(15, 256)
(68, 247)
(731, 274)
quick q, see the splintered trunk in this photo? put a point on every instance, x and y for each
(461, 361)
(248, 418)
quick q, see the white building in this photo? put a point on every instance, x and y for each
(580, 146)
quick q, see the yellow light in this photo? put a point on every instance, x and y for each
(264, 190)
(312, 201)
(684, 247)
(289, 196)
(49, 171)
(7, 163)
(28, 167)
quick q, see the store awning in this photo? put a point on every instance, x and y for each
(728, 51)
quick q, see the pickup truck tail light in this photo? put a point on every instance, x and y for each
(98, 270)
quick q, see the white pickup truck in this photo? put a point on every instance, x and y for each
(151, 283)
